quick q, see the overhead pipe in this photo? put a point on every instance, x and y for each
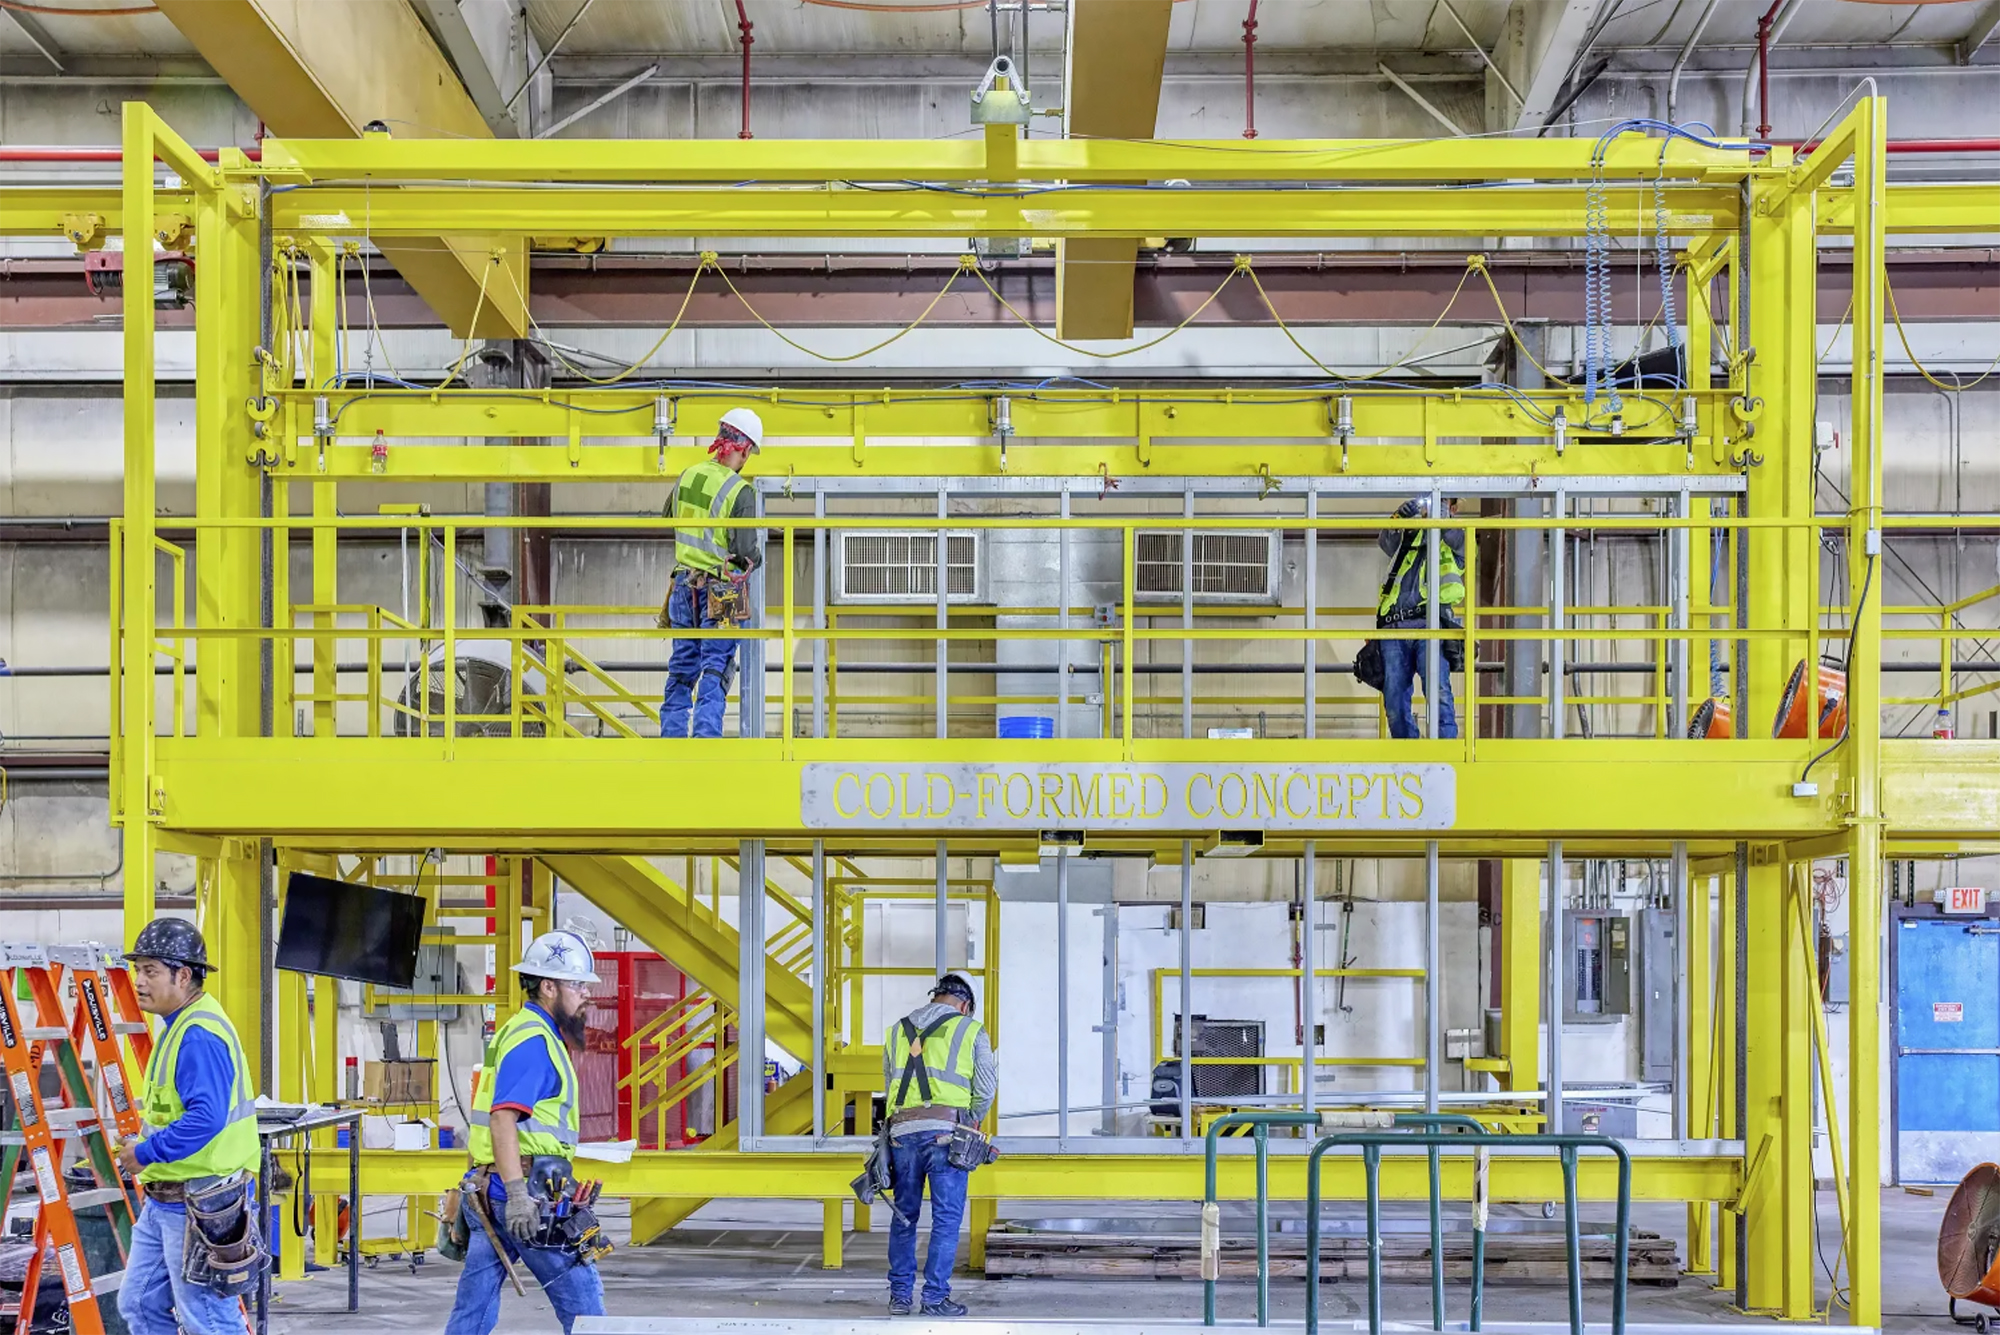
(1250, 73)
(17, 153)
(745, 27)
(1680, 62)
(1758, 76)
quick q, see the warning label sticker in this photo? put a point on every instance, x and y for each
(1948, 1012)
(72, 1270)
(45, 1176)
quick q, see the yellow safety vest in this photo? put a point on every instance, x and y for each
(943, 1075)
(1451, 578)
(230, 1149)
(705, 491)
(552, 1127)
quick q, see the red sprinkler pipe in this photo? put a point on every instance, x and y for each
(1925, 146)
(744, 26)
(1764, 69)
(1250, 73)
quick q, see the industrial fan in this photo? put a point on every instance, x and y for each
(484, 691)
(1969, 1245)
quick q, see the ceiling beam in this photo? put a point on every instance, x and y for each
(1983, 27)
(450, 23)
(327, 71)
(1544, 45)
(38, 36)
(1117, 58)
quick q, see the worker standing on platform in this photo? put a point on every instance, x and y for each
(711, 575)
(523, 1132)
(941, 1075)
(1405, 605)
(199, 1151)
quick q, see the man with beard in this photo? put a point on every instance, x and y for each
(524, 1115)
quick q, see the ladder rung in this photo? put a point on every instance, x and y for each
(129, 1027)
(46, 1032)
(104, 1284)
(70, 1116)
(82, 1200)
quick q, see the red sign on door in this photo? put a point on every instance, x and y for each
(1964, 899)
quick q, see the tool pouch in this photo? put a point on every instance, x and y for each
(665, 620)
(225, 1252)
(454, 1232)
(878, 1175)
(968, 1149)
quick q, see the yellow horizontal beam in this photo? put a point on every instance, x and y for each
(1919, 208)
(422, 210)
(1018, 1177)
(502, 789)
(1937, 787)
(1629, 157)
(1269, 415)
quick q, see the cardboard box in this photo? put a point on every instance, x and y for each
(413, 1135)
(399, 1082)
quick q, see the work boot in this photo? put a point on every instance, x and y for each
(944, 1307)
(899, 1305)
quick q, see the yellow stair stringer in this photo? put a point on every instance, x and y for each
(787, 1112)
(660, 913)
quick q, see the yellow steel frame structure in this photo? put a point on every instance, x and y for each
(220, 785)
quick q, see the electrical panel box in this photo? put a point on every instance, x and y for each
(1658, 983)
(1597, 948)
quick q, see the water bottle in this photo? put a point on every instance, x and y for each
(1941, 728)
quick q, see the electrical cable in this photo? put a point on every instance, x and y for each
(1904, 336)
(1242, 266)
(965, 263)
(707, 262)
(1810, 682)
(465, 354)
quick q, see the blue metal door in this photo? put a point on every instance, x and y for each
(1947, 1039)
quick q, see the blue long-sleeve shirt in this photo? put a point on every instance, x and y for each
(526, 1076)
(203, 1075)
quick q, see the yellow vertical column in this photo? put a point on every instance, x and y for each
(1728, 1221)
(326, 1077)
(1698, 979)
(1778, 1136)
(137, 577)
(1864, 880)
(1519, 955)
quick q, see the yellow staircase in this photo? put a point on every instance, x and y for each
(672, 921)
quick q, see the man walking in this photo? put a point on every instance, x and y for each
(940, 1073)
(200, 1141)
(711, 566)
(524, 1122)
(1405, 605)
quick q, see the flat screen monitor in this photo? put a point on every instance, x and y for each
(344, 930)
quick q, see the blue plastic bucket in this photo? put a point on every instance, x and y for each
(1027, 725)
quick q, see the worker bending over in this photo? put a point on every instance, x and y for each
(1405, 605)
(197, 1154)
(710, 586)
(519, 1201)
(941, 1075)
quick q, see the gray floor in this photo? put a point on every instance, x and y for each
(753, 1258)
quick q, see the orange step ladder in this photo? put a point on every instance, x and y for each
(31, 1032)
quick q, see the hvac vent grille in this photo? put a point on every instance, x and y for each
(1229, 566)
(890, 567)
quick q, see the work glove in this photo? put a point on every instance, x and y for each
(524, 1217)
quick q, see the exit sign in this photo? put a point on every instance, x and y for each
(1963, 899)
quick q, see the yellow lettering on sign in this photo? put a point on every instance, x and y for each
(933, 804)
(1149, 785)
(1298, 812)
(986, 787)
(1052, 796)
(1083, 798)
(1203, 806)
(1413, 795)
(1329, 797)
(887, 802)
(1232, 807)
(838, 805)
(1020, 800)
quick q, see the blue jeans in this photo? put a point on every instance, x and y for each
(573, 1289)
(1402, 663)
(699, 671)
(918, 1159)
(153, 1298)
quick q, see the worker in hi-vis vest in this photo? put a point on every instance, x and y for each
(711, 571)
(1405, 605)
(940, 1073)
(523, 1132)
(199, 1149)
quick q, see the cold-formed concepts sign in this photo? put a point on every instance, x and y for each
(1128, 797)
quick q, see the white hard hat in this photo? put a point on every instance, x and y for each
(749, 423)
(562, 956)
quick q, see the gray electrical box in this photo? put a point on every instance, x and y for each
(1659, 978)
(1597, 950)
